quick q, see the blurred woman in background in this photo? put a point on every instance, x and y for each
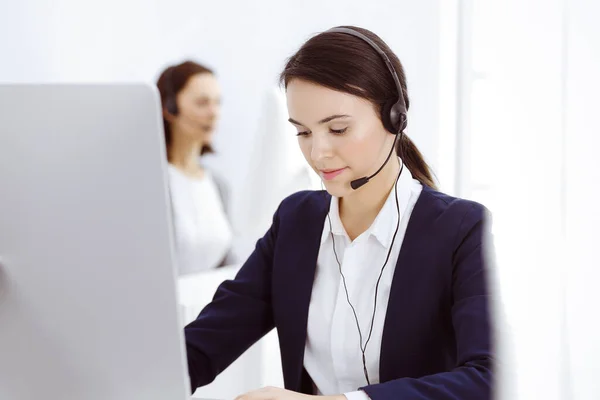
(191, 102)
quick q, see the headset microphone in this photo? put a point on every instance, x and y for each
(393, 113)
(361, 181)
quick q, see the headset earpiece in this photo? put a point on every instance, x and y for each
(393, 116)
(171, 105)
(170, 100)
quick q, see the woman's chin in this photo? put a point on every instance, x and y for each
(337, 189)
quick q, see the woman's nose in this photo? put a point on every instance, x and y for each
(321, 148)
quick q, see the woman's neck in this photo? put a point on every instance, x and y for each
(183, 154)
(359, 209)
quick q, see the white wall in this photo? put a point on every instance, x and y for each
(514, 144)
(66, 40)
(582, 146)
(533, 133)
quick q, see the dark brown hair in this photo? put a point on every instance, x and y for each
(348, 64)
(172, 81)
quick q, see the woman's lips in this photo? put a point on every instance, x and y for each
(329, 174)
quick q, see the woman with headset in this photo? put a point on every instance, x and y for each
(191, 95)
(377, 285)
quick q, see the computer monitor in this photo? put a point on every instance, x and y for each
(88, 305)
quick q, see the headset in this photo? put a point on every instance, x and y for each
(170, 99)
(393, 116)
(393, 112)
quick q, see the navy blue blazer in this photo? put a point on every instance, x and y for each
(436, 341)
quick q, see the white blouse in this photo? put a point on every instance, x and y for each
(203, 235)
(332, 357)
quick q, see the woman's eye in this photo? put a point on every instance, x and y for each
(338, 131)
(334, 131)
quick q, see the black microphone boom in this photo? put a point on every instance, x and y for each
(355, 184)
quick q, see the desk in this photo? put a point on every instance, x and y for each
(195, 291)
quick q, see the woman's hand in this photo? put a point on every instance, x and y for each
(273, 393)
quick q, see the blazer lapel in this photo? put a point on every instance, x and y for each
(401, 308)
(294, 283)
